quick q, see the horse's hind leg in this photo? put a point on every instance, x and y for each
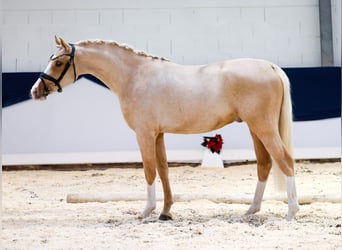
(163, 171)
(264, 164)
(277, 150)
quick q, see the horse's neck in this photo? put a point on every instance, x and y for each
(114, 66)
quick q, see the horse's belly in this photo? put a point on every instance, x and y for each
(197, 109)
(198, 120)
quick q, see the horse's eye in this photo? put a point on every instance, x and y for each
(58, 63)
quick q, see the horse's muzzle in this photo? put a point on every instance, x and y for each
(38, 92)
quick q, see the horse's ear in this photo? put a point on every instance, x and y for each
(58, 41)
(61, 43)
(64, 44)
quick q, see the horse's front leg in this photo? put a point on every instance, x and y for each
(147, 147)
(163, 171)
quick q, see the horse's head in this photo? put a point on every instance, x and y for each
(60, 71)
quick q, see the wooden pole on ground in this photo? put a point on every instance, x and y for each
(230, 199)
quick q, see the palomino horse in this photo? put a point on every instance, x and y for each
(158, 96)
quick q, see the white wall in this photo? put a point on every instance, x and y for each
(193, 31)
(86, 117)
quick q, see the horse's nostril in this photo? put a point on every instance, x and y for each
(34, 94)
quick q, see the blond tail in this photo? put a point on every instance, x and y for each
(285, 127)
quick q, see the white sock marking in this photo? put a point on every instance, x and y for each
(259, 193)
(293, 206)
(151, 201)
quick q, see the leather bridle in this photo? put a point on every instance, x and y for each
(44, 76)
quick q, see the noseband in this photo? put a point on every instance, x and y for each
(43, 76)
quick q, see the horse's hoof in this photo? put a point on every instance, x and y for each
(292, 212)
(165, 217)
(252, 210)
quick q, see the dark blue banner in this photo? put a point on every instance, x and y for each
(316, 92)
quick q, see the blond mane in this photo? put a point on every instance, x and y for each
(123, 46)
